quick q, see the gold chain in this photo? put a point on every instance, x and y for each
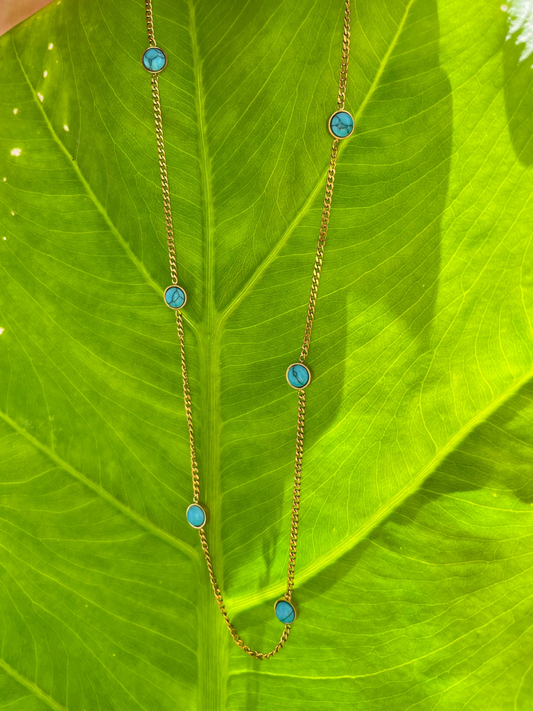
(188, 408)
(324, 222)
(163, 171)
(345, 57)
(306, 341)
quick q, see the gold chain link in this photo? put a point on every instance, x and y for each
(330, 180)
(345, 57)
(188, 408)
(322, 234)
(306, 341)
(150, 23)
(296, 494)
(163, 167)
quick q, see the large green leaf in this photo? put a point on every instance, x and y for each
(415, 544)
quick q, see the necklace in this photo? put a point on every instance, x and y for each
(298, 375)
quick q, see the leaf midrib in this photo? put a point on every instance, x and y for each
(308, 572)
(212, 641)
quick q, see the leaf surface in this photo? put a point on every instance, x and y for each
(416, 523)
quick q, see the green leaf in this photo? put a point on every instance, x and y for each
(416, 523)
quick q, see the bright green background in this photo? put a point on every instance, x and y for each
(415, 548)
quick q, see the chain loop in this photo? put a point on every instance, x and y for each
(306, 341)
(218, 596)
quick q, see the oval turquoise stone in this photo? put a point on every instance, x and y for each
(154, 59)
(196, 516)
(341, 124)
(175, 297)
(285, 612)
(298, 376)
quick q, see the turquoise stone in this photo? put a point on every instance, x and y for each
(285, 612)
(196, 516)
(175, 297)
(341, 124)
(298, 375)
(154, 59)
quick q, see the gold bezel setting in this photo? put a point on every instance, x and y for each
(205, 512)
(287, 376)
(159, 70)
(294, 607)
(341, 138)
(175, 286)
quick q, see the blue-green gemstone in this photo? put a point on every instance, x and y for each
(285, 612)
(196, 516)
(341, 124)
(175, 297)
(154, 59)
(298, 375)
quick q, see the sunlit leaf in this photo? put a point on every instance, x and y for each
(416, 524)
